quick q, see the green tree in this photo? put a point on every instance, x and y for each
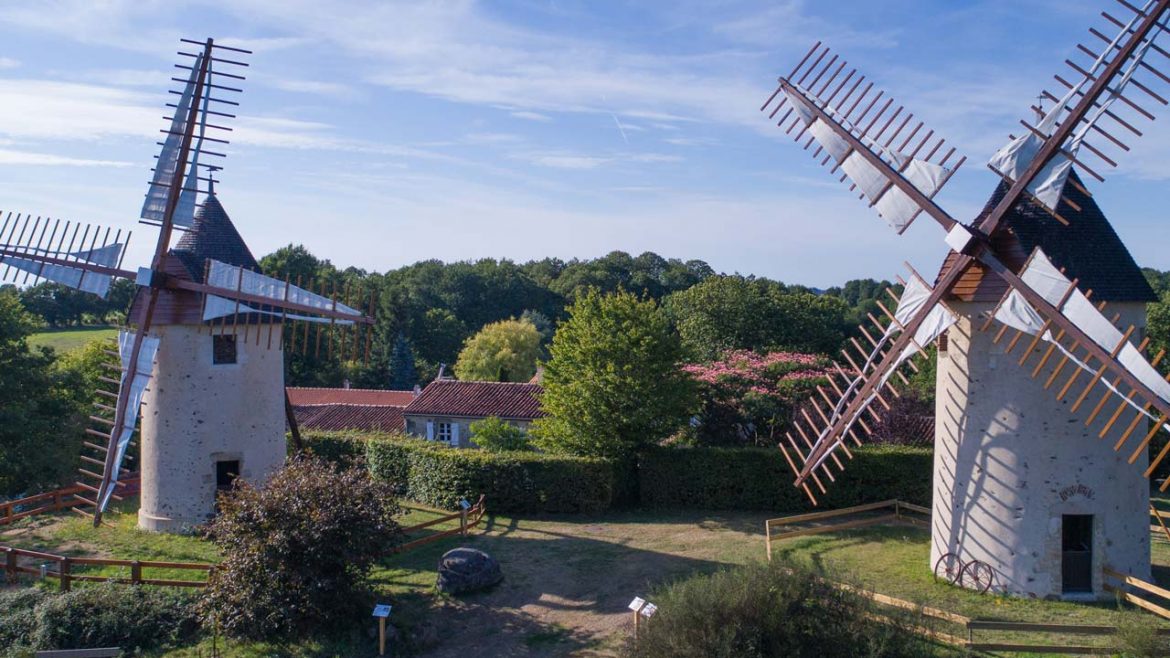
(495, 434)
(298, 551)
(614, 383)
(403, 374)
(40, 420)
(504, 351)
(743, 313)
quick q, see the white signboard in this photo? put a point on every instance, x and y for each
(464, 504)
(649, 610)
(637, 603)
(382, 610)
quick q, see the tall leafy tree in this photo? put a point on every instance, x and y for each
(504, 351)
(40, 421)
(614, 383)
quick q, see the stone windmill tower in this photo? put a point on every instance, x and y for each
(1038, 310)
(203, 355)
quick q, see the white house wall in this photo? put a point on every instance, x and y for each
(1010, 460)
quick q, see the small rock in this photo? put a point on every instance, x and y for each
(467, 570)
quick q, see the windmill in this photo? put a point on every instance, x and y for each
(1043, 498)
(196, 360)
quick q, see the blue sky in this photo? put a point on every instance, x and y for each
(381, 133)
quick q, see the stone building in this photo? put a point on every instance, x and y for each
(1020, 482)
(214, 410)
(338, 409)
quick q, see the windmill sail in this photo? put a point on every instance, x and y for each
(61, 252)
(877, 184)
(1107, 79)
(231, 278)
(897, 164)
(135, 384)
(154, 208)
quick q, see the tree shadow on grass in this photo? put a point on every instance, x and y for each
(564, 592)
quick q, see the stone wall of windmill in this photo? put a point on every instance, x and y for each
(212, 413)
(1011, 461)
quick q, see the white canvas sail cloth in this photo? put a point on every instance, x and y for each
(232, 277)
(894, 205)
(1043, 277)
(154, 208)
(1016, 156)
(137, 382)
(74, 277)
(912, 303)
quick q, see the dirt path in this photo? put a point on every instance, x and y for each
(568, 580)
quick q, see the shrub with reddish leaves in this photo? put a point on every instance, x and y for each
(298, 551)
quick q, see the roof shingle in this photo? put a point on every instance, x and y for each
(340, 417)
(448, 397)
(365, 396)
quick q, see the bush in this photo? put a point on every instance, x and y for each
(297, 552)
(495, 434)
(517, 482)
(759, 478)
(761, 611)
(133, 618)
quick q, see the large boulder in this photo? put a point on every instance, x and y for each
(467, 570)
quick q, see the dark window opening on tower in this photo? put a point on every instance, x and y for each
(1076, 566)
(223, 350)
(226, 473)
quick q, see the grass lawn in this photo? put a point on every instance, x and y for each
(65, 340)
(568, 579)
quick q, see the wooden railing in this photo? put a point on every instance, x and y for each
(898, 513)
(1047, 629)
(64, 568)
(468, 519)
(1123, 592)
(55, 501)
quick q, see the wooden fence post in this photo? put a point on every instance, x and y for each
(463, 522)
(136, 573)
(10, 564)
(66, 578)
(768, 538)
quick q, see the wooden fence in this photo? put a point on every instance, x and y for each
(468, 519)
(55, 501)
(1149, 589)
(64, 568)
(898, 514)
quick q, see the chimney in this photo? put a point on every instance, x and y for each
(345, 384)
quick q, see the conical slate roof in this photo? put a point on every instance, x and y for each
(213, 236)
(1088, 249)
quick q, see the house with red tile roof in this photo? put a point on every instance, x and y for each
(446, 408)
(337, 409)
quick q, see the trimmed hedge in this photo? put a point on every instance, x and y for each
(760, 479)
(524, 482)
(667, 477)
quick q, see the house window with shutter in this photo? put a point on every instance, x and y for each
(445, 432)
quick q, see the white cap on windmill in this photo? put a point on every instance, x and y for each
(893, 204)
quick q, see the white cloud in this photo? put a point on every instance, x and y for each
(8, 63)
(12, 157)
(531, 116)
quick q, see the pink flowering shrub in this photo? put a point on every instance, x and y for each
(750, 398)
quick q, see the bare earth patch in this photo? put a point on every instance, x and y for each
(567, 581)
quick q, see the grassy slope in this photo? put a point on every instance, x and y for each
(65, 340)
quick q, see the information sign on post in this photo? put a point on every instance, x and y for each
(382, 611)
